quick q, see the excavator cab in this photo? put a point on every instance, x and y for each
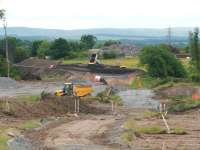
(94, 59)
(66, 90)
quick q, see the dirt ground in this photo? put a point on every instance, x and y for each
(189, 121)
(97, 130)
(105, 131)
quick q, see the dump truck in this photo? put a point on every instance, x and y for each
(71, 89)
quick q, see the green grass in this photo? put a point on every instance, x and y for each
(75, 61)
(24, 126)
(4, 137)
(30, 99)
(32, 124)
(128, 62)
(147, 82)
(178, 131)
(151, 114)
(182, 103)
(3, 142)
(151, 130)
(127, 137)
(55, 77)
(184, 106)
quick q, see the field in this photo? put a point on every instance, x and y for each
(128, 62)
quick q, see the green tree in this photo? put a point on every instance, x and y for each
(43, 49)
(88, 41)
(59, 48)
(161, 62)
(22, 53)
(3, 66)
(12, 44)
(35, 46)
(111, 42)
(2, 13)
(195, 54)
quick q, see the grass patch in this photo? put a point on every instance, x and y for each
(128, 62)
(151, 130)
(75, 61)
(151, 114)
(184, 106)
(178, 131)
(32, 124)
(148, 82)
(3, 142)
(182, 103)
(30, 99)
(54, 77)
(4, 137)
(102, 97)
(128, 137)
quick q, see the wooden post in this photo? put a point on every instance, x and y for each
(163, 112)
(78, 100)
(112, 106)
(7, 107)
(75, 104)
(165, 122)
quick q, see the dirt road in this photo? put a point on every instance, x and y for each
(79, 134)
(29, 88)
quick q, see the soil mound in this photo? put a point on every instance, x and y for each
(179, 91)
(50, 106)
(35, 62)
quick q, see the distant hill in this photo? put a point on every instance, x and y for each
(134, 34)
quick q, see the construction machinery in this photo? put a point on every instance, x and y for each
(94, 59)
(71, 89)
(78, 90)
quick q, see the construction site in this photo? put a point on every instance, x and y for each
(91, 107)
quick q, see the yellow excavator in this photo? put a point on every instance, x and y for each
(71, 89)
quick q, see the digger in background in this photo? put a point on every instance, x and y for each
(94, 59)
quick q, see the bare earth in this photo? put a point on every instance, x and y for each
(78, 132)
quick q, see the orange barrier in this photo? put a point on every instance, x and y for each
(195, 97)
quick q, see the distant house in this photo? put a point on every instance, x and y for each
(123, 50)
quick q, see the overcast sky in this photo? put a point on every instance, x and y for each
(80, 14)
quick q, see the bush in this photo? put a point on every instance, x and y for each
(161, 62)
(109, 55)
(184, 106)
(3, 66)
(21, 54)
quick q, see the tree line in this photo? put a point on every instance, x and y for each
(160, 62)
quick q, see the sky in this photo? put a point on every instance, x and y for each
(84, 14)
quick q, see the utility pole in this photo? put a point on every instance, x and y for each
(169, 35)
(6, 46)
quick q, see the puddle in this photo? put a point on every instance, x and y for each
(20, 143)
(139, 99)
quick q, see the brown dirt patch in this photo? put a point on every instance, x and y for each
(50, 106)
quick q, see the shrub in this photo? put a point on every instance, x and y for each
(161, 62)
(109, 55)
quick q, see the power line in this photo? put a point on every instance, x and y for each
(169, 34)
